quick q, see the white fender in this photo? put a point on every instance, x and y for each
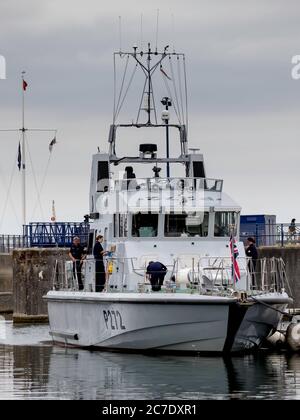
(293, 336)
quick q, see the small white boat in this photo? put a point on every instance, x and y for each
(209, 301)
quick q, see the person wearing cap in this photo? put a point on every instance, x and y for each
(77, 255)
(99, 253)
(252, 254)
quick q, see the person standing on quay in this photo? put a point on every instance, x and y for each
(292, 229)
(99, 253)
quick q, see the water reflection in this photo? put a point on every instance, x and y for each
(43, 371)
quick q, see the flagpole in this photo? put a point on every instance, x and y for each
(232, 255)
(22, 149)
(23, 154)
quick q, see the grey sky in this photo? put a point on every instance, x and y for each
(244, 106)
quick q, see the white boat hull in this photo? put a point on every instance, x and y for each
(159, 322)
(135, 322)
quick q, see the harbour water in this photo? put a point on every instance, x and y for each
(32, 368)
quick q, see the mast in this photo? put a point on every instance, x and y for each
(22, 149)
(149, 84)
(24, 84)
(167, 102)
(150, 62)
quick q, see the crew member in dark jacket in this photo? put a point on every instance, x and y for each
(129, 175)
(77, 255)
(98, 253)
(156, 272)
(251, 252)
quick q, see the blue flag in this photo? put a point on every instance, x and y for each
(19, 157)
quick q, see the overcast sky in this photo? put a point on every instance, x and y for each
(244, 106)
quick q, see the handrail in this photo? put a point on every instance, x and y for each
(207, 274)
(179, 183)
(271, 234)
(10, 242)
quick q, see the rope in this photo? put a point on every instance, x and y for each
(180, 87)
(8, 197)
(34, 179)
(175, 89)
(170, 95)
(153, 98)
(186, 94)
(122, 85)
(141, 101)
(125, 94)
(115, 89)
(285, 279)
(42, 183)
(269, 306)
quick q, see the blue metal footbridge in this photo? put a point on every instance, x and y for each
(46, 234)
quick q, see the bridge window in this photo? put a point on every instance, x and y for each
(115, 225)
(224, 222)
(122, 225)
(194, 224)
(144, 225)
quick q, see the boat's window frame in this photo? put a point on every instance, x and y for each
(227, 232)
(123, 225)
(131, 226)
(207, 214)
(115, 225)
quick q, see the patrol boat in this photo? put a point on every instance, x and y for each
(212, 299)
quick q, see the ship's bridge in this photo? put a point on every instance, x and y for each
(175, 183)
(170, 207)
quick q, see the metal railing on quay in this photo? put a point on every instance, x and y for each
(10, 242)
(272, 234)
(46, 235)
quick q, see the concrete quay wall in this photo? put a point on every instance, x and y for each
(32, 278)
(6, 273)
(6, 283)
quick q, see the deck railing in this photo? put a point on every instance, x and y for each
(206, 275)
(206, 184)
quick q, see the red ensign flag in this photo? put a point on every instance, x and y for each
(24, 85)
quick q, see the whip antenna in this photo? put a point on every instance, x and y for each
(141, 31)
(120, 32)
(157, 18)
(173, 31)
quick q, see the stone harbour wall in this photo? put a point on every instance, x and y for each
(6, 273)
(6, 283)
(32, 278)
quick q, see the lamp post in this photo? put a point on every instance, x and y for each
(165, 117)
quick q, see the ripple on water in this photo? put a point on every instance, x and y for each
(31, 368)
